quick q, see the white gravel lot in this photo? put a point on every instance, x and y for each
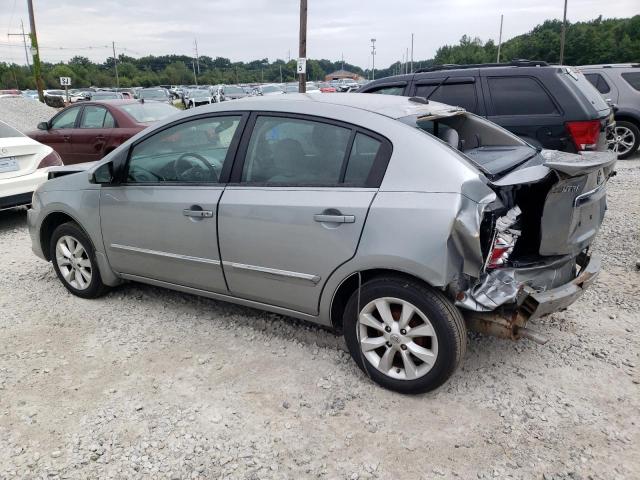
(149, 383)
(24, 114)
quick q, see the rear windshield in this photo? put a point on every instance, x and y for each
(8, 132)
(149, 112)
(492, 149)
(578, 79)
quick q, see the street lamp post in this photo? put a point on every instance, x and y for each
(373, 59)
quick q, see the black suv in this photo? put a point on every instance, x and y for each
(548, 106)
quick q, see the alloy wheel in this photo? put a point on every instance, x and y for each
(397, 338)
(73, 262)
(621, 140)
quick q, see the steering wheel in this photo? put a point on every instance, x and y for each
(181, 172)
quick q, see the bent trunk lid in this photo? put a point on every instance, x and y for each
(574, 205)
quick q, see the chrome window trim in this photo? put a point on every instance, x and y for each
(158, 253)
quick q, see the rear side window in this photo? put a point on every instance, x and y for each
(456, 94)
(96, 117)
(519, 96)
(389, 90)
(633, 79)
(598, 81)
(361, 159)
(292, 151)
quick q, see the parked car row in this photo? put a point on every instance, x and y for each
(549, 106)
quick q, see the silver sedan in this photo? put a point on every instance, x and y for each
(386, 218)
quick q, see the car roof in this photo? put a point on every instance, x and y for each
(391, 106)
(115, 102)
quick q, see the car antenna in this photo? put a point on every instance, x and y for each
(437, 87)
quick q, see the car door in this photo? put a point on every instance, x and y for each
(59, 136)
(159, 222)
(296, 206)
(93, 134)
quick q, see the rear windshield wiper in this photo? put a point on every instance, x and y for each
(437, 87)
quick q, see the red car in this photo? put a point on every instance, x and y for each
(87, 131)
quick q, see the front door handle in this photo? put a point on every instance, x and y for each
(197, 213)
(324, 218)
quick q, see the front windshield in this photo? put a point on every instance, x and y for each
(198, 93)
(149, 112)
(270, 89)
(292, 88)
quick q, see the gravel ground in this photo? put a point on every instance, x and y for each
(149, 383)
(24, 113)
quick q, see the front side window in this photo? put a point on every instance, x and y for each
(96, 117)
(191, 152)
(456, 94)
(519, 96)
(293, 151)
(598, 81)
(633, 79)
(389, 90)
(66, 119)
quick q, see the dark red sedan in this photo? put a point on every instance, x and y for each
(88, 131)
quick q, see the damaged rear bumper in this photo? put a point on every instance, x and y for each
(534, 304)
(509, 321)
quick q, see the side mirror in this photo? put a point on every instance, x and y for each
(103, 174)
(43, 126)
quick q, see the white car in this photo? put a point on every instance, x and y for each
(23, 166)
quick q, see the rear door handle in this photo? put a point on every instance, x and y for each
(323, 218)
(197, 213)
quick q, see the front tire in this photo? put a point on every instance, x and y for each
(74, 261)
(404, 335)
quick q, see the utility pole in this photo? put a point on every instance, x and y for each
(342, 68)
(563, 33)
(302, 53)
(280, 73)
(24, 42)
(195, 41)
(195, 77)
(500, 39)
(412, 53)
(35, 52)
(406, 65)
(115, 64)
(373, 59)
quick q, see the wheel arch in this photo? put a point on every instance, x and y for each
(350, 284)
(52, 221)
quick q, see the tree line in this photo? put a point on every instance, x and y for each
(596, 41)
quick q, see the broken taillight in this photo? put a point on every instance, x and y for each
(504, 239)
(584, 134)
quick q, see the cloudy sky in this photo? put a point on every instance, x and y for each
(253, 29)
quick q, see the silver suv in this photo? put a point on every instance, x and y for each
(385, 217)
(620, 85)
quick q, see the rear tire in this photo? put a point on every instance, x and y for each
(74, 261)
(626, 139)
(414, 345)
